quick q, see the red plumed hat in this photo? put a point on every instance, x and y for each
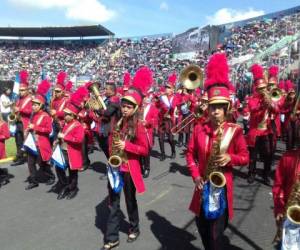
(69, 86)
(273, 74)
(61, 80)
(126, 80)
(172, 80)
(258, 76)
(24, 79)
(217, 80)
(281, 85)
(232, 89)
(143, 80)
(41, 92)
(290, 87)
(76, 100)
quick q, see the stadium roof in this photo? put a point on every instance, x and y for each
(72, 31)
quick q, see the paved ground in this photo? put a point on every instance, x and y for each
(36, 220)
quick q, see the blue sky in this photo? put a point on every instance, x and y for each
(132, 17)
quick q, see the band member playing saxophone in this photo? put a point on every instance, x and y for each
(214, 148)
(127, 144)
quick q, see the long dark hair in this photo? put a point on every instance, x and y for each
(131, 124)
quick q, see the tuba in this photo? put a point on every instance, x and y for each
(95, 102)
(191, 77)
(117, 156)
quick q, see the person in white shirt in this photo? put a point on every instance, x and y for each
(5, 104)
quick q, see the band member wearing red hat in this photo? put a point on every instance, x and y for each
(58, 103)
(23, 110)
(286, 180)
(133, 142)
(70, 138)
(260, 138)
(168, 103)
(149, 117)
(216, 146)
(40, 125)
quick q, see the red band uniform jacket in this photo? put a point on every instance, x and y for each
(198, 152)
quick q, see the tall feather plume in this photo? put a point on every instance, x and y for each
(43, 88)
(61, 78)
(126, 79)
(289, 85)
(273, 71)
(143, 80)
(24, 76)
(69, 86)
(78, 97)
(217, 71)
(282, 85)
(257, 71)
(172, 79)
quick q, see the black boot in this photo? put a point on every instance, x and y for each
(32, 184)
(19, 161)
(173, 155)
(180, 140)
(251, 177)
(146, 173)
(162, 150)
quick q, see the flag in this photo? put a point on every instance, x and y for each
(15, 93)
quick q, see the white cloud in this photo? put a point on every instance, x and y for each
(164, 6)
(226, 15)
(84, 10)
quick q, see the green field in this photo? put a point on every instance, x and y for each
(10, 147)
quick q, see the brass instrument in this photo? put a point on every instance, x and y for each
(187, 121)
(117, 156)
(292, 208)
(95, 102)
(191, 77)
(13, 116)
(213, 172)
(294, 112)
(276, 94)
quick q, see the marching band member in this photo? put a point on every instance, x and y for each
(168, 102)
(40, 126)
(71, 138)
(4, 135)
(23, 110)
(286, 193)
(133, 142)
(260, 137)
(215, 145)
(150, 114)
(290, 111)
(58, 103)
(108, 116)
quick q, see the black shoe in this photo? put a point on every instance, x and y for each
(266, 180)
(4, 181)
(27, 179)
(50, 181)
(55, 188)
(18, 162)
(63, 193)
(146, 173)
(110, 245)
(31, 186)
(162, 157)
(251, 178)
(133, 237)
(72, 194)
(173, 155)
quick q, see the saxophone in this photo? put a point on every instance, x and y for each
(117, 156)
(213, 172)
(292, 208)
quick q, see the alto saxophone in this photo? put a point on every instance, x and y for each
(117, 156)
(292, 208)
(213, 172)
